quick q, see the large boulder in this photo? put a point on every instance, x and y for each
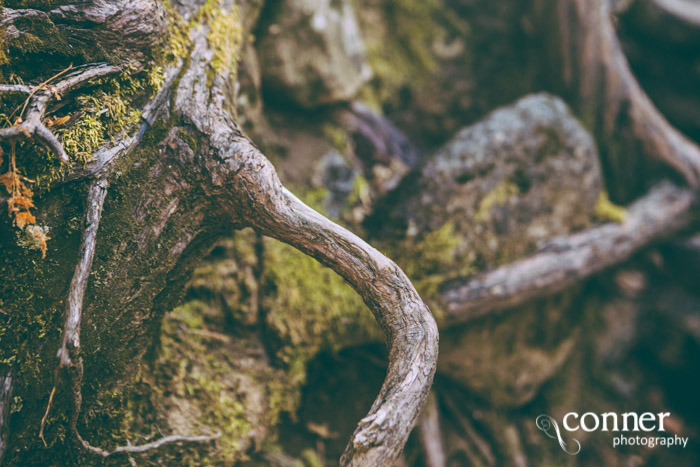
(524, 174)
(496, 192)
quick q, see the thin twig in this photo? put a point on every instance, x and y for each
(16, 88)
(163, 441)
(83, 76)
(48, 408)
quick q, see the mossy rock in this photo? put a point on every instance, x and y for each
(498, 191)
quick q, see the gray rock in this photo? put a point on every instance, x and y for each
(311, 52)
(523, 175)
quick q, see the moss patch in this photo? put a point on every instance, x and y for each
(398, 35)
(310, 308)
(606, 210)
(494, 198)
(429, 261)
(226, 39)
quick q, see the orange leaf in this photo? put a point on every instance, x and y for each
(22, 202)
(24, 218)
(59, 121)
(26, 191)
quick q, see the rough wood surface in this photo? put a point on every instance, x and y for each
(245, 184)
(182, 195)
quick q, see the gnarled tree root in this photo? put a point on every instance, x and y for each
(31, 124)
(68, 354)
(567, 260)
(596, 72)
(255, 197)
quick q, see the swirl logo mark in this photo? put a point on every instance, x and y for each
(551, 428)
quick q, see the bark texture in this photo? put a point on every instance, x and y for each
(165, 207)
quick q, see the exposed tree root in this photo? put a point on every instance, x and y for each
(68, 354)
(594, 66)
(568, 260)
(31, 123)
(247, 189)
(596, 70)
(430, 434)
(258, 199)
(410, 328)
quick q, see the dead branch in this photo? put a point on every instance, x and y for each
(568, 260)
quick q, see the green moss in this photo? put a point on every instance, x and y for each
(226, 38)
(311, 459)
(309, 308)
(178, 42)
(194, 379)
(360, 193)
(4, 60)
(398, 36)
(105, 112)
(337, 136)
(496, 197)
(429, 261)
(189, 139)
(606, 210)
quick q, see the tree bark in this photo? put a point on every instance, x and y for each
(185, 177)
